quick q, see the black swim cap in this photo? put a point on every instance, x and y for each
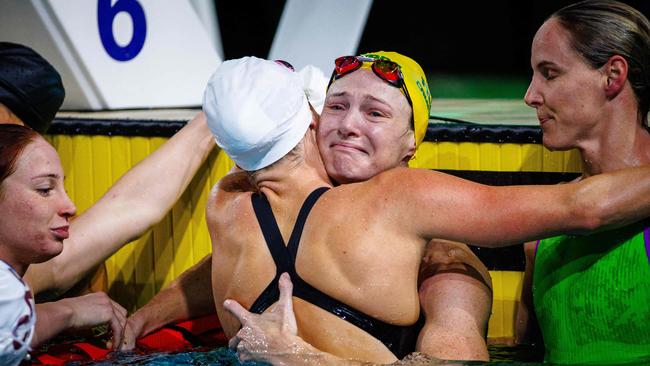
(29, 86)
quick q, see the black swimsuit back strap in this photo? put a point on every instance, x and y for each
(399, 339)
(294, 240)
(283, 257)
(271, 232)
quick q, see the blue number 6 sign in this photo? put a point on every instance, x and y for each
(106, 14)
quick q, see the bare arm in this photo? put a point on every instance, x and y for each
(189, 296)
(456, 298)
(78, 312)
(437, 205)
(132, 205)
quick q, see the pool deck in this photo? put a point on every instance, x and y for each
(480, 111)
(485, 111)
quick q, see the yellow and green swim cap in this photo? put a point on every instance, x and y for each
(417, 87)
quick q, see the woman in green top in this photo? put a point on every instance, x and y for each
(589, 296)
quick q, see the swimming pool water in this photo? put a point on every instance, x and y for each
(218, 357)
(500, 355)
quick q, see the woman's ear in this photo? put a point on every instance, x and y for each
(410, 151)
(315, 118)
(616, 72)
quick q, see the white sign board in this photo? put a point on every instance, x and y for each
(117, 54)
(315, 32)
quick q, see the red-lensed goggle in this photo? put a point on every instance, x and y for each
(386, 70)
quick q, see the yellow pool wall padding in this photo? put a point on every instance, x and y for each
(504, 157)
(140, 269)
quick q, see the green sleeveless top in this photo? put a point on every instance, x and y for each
(592, 296)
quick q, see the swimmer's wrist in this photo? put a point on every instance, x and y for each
(62, 312)
(142, 322)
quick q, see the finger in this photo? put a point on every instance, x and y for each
(286, 289)
(234, 342)
(242, 353)
(128, 337)
(237, 310)
(119, 312)
(289, 323)
(120, 309)
(119, 319)
(117, 329)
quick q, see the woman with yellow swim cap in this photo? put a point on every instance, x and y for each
(348, 105)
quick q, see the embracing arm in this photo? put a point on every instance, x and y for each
(189, 296)
(437, 205)
(456, 298)
(137, 201)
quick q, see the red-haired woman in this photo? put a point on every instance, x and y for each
(35, 214)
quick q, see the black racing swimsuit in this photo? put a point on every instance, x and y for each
(399, 339)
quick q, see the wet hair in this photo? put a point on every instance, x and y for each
(601, 29)
(13, 140)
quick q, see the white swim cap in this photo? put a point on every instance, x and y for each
(314, 83)
(257, 110)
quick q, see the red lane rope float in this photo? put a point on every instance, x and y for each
(203, 332)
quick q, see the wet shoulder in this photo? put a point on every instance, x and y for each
(229, 188)
(369, 198)
(229, 201)
(402, 183)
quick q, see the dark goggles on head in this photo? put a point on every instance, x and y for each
(386, 70)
